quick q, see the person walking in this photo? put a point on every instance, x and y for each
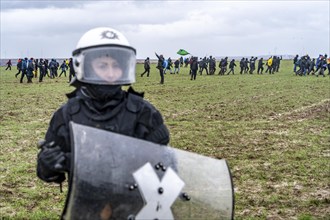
(177, 66)
(25, 64)
(9, 64)
(242, 65)
(252, 64)
(260, 66)
(19, 67)
(194, 68)
(72, 73)
(146, 67)
(212, 65)
(203, 66)
(30, 69)
(323, 67)
(35, 64)
(42, 69)
(269, 64)
(63, 67)
(295, 63)
(231, 67)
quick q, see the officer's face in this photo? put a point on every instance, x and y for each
(107, 68)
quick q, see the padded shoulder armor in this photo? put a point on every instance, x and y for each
(134, 103)
(73, 106)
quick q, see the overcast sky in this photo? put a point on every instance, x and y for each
(219, 28)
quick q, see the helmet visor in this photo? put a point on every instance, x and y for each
(108, 65)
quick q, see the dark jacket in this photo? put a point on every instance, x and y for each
(122, 112)
(194, 64)
(177, 64)
(232, 64)
(19, 65)
(160, 62)
(146, 64)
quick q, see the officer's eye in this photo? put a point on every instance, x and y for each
(115, 65)
(102, 66)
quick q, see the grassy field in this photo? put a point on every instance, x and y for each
(273, 130)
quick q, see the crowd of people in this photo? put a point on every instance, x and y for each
(307, 66)
(39, 68)
(302, 66)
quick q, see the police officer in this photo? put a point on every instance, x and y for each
(103, 62)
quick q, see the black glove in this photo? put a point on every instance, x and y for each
(52, 163)
(51, 158)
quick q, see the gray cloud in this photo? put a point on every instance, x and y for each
(219, 28)
(40, 4)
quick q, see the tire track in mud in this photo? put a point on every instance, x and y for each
(305, 112)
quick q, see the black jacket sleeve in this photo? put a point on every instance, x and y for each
(57, 132)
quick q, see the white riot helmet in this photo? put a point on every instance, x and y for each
(103, 56)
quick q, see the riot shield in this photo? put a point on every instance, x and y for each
(119, 177)
(208, 186)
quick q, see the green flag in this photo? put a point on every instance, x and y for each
(182, 52)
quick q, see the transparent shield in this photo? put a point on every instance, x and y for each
(119, 177)
(208, 188)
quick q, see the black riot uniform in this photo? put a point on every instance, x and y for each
(99, 101)
(116, 110)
